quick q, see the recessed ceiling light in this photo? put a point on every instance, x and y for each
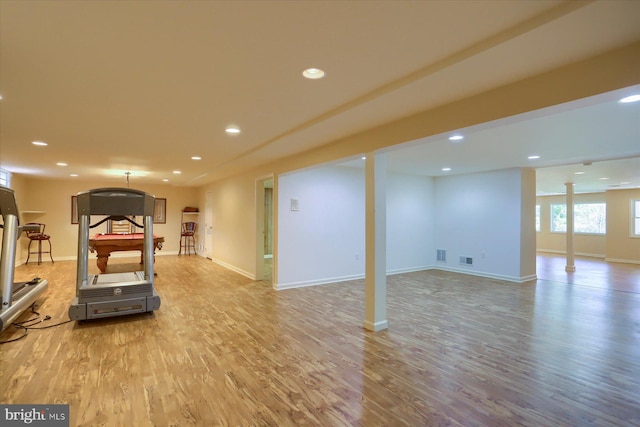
(232, 130)
(73, 174)
(313, 73)
(177, 172)
(61, 164)
(535, 157)
(196, 158)
(364, 157)
(40, 143)
(604, 178)
(446, 169)
(165, 180)
(578, 173)
(456, 138)
(631, 98)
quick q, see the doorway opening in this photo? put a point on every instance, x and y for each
(265, 208)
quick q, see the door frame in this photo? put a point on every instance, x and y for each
(208, 225)
(260, 226)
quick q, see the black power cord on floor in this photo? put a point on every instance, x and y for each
(28, 324)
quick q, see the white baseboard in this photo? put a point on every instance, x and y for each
(375, 326)
(625, 261)
(409, 269)
(234, 268)
(324, 281)
(550, 251)
(514, 279)
(587, 254)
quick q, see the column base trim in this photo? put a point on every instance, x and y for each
(375, 327)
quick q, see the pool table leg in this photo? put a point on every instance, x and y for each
(142, 257)
(102, 262)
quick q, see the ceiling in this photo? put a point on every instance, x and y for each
(141, 87)
(593, 143)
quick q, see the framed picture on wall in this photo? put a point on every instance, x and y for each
(74, 209)
(160, 212)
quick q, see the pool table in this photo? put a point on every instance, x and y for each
(104, 244)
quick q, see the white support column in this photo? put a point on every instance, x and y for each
(570, 267)
(376, 243)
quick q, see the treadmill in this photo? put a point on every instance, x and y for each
(16, 297)
(114, 294)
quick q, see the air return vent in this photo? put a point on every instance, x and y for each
(441, 255)
(466, 260)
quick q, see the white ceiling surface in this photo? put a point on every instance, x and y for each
(142, 86)
(596, 137)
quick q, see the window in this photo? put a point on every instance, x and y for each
(537, 217)
(588, 218)
(635, 217)
(558, 218)
(5, 178)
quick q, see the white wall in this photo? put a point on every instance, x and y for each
(410, 216)
(324, 241)
(479, 216)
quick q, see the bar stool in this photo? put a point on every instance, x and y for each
(188, 237)
(38, 236)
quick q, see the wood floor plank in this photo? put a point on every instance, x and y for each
(223, 350)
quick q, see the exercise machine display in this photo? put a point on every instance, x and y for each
(114, 294)
(16, 297)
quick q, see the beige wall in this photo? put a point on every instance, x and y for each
(616, 245)
(52, 200)
(18, 184)
(234, 223)
(583, 244)
(620, 245)
(527, 218)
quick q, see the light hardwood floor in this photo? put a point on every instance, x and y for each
(225, 350)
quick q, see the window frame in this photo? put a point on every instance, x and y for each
(634, 216)
(551, 230)
(5, 176)
(582, 233)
